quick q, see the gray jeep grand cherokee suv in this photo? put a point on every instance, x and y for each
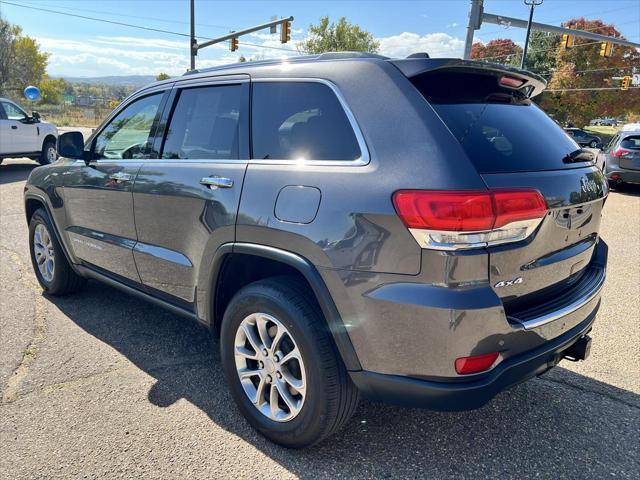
(410, 230)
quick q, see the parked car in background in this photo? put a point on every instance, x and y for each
(23, 135)
(583, 138)
(621, 156)
(606, 122)
(432, 256)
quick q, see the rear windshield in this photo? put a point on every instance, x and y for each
(631, 143)
(500, 131)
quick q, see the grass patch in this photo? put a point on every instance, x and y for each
(606, 133)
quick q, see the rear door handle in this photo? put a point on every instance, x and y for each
(120, 177)
(217, 182)
(14, 127)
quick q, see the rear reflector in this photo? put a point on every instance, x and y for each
(479, 363)
(451, 220)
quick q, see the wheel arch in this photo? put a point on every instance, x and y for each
(49, 137)
(263, 258)
(32, 202)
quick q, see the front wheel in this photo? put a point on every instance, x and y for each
(49, 153)
(281, 365)
(53, 271)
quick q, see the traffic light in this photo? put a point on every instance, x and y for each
(568, 40)
(233, 46)
(626, 81)
(605, 49)
(285, 31)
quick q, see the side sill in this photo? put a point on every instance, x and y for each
(90, 273)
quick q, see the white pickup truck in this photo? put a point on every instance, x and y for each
(23, 135)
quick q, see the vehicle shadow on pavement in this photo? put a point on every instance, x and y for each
(628, 189)
(15, 172)
(563, 425)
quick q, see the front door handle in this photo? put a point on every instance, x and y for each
(120, 177)
(14, 127)
(217, 182)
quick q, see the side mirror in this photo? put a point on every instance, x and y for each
(36, 116)
(71, 145)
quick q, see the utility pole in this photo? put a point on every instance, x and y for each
(532, 4)
(477, 17)
(193, 44)
(475, 20)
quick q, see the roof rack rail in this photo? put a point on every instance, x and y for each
(296, 59)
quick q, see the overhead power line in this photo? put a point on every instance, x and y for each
(140, 27)
(143, 17)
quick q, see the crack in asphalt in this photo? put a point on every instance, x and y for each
(14, 382)
(84, 380)
(588, 390)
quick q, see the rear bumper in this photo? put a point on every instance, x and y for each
(468, 395)
(623, 175)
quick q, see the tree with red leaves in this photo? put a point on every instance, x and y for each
(583, 67)
(499, 50)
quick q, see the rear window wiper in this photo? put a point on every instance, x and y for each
(580, 155)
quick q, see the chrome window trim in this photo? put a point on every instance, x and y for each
(134, 97)
(364, 158)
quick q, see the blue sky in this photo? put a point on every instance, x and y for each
(81, 47)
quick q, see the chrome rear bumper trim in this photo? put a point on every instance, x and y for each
(567, 309)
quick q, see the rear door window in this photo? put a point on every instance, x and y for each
(300, 121)
(499, 131)
(205, 124)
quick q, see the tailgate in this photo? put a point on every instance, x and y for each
(563, 245)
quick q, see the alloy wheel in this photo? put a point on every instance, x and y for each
(51, 154)
(44, 253)
(270, 367)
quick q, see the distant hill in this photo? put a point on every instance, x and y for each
(115, 80)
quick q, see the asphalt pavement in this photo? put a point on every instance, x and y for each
(102, 385)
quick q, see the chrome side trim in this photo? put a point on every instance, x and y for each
(364, 158)
(568, 309)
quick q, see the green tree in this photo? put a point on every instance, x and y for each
(21, 61)
(162, 76)
(242, 59)
(541, 55)
(338, 37)
(52, 90)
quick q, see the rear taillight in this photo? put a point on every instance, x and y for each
(452, 220)
(475, 364)
(619, 152)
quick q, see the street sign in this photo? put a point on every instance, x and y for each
(635, 80)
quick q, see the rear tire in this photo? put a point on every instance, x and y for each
(53, 271)
(329, 397)
(593, 144)
(49, 153)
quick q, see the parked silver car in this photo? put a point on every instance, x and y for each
(621, 157)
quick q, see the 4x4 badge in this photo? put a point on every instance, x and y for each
(507, 283)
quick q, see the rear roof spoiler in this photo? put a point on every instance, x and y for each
(533, 84)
